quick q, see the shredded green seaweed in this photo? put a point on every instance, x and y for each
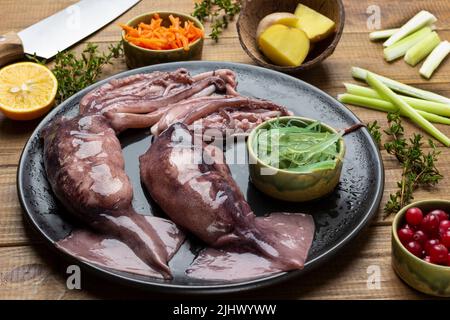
(297, 146)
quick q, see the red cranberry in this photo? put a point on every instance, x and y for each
(430, 225)
(427, 259)
(415, 248)
(444, 226)
(429, 244)
(445, 239)
(448, 261)
(405, 235)
(439, 254)
(420, 237)
(441, 214)
(408, 226)
(414, 216)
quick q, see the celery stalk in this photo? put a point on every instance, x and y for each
(420, 20)
(437, 108)
(435, 59)
(386, 106)
(399, 49)
(360, 73)
(382, 34)
(404, 107)
(422, 49)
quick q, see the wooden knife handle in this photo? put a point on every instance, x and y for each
(11, 48)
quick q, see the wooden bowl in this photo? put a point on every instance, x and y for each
(253, 11)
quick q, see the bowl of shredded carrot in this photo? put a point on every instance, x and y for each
(160, 37)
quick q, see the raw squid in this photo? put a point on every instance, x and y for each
(85, 167)
(99, 249)
(235, 113)
(194, 187)
(140, 100)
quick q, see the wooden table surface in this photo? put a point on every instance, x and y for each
(28, 270)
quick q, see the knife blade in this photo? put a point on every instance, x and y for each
(63, 29)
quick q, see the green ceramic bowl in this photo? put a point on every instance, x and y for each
(423, 276)
(288, 185)
(137, 57)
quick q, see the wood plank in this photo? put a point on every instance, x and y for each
(22, 14)
(394, 13)
(33, 272)
(15, 231)
(353, 50)
(36, 273)
(329, 77)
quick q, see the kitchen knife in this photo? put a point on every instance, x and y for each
(61, 30)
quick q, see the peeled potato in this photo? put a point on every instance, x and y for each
(284, 18)
(316, 26)
(284, 46)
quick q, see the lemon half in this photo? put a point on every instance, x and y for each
(27, 90)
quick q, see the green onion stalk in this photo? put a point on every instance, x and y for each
(360, 73)
(377, 84)
(436, 108)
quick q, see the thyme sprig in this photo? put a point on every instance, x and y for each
(418, 168)
(374, 130)
(218, 12)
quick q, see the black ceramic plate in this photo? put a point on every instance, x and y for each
(339, 217)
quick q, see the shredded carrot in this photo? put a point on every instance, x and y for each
(155, 36)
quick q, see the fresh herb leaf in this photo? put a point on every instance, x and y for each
(297, 146)
(217, 28)
(202, 9)
(76, 73)
(419, 168)
(218, 12)
(374, 130)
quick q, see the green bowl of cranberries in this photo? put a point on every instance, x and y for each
(421, 246)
